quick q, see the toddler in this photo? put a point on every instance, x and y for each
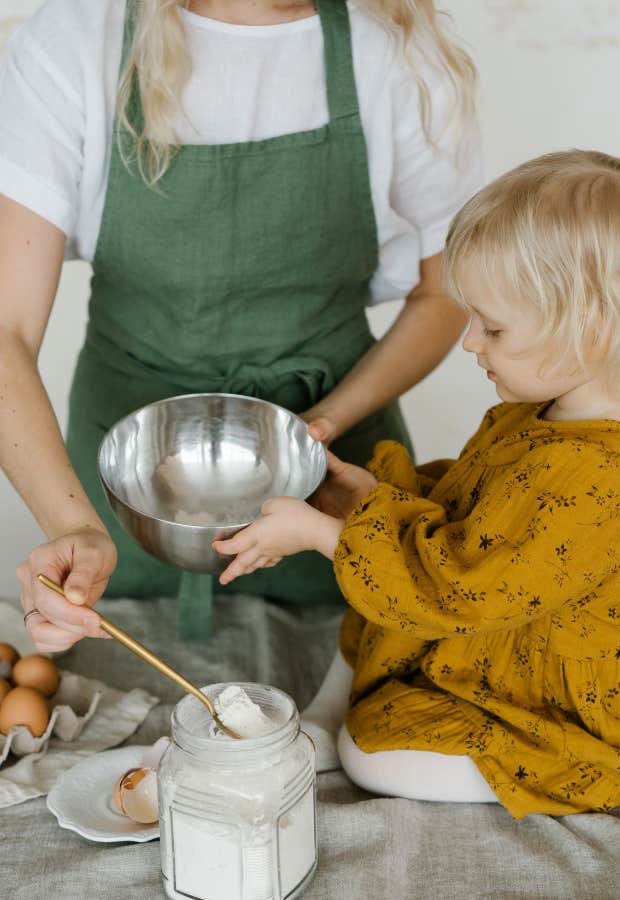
(481, 646)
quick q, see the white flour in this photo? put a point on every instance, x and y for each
(182, 517)
(232, 514)
(241, 714)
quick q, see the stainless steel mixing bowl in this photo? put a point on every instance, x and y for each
(186, 471)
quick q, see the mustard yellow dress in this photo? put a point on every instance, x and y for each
(485, 608)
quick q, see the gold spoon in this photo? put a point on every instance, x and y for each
(151, 658)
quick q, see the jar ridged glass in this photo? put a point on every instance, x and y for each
(238, 817)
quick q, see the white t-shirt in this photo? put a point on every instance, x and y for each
(57, 100)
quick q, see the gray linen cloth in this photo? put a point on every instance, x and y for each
(371, 848)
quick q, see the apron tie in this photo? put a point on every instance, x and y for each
(296, 382)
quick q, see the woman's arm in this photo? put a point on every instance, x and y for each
(32, 451)
(424, 332)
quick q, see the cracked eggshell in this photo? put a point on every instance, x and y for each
(135, 795)
(152, 757)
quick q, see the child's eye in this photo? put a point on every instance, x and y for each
(492, 333)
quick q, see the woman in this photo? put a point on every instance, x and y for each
(297, 167)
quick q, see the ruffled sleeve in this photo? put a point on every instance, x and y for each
(404, 566)
(392, 464)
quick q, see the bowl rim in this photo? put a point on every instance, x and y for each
(199, 528)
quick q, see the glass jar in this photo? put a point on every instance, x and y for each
(238, 817)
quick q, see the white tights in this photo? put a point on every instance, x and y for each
(413, 774)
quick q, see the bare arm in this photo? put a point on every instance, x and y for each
(32, 451)
(426, 329)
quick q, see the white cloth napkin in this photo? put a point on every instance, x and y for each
(116, 717)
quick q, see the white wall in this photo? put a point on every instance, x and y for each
(549, 73)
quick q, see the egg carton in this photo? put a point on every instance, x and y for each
(73, 706)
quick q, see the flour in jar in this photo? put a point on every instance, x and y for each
(239, 713)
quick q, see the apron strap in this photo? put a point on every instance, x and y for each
(194, 606)
(341, 89)
(134, 109)
(339, 74)
(128, 29)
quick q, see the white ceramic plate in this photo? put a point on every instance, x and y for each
(82, 800)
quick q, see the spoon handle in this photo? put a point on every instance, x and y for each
(148, 656)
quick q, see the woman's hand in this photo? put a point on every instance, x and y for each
(346, 485)
(82, 563)
(323, 424)
(287, 526)
(322, 429)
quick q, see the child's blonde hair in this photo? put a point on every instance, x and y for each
(159, 61)
(549, 233)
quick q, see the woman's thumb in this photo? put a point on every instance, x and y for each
(321, 429)
(79, 582)
(334, 465)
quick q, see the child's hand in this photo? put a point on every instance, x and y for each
(288, 526)
(345, 486)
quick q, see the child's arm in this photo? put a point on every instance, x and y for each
(403, 566)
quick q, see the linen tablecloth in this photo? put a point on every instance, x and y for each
(371, 848)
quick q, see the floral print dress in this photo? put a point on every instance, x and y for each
(484, 611)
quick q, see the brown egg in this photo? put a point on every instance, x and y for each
(36, 672)
(24, 706)
(8, 658)
(5, 687)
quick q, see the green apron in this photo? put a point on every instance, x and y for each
(246, 271)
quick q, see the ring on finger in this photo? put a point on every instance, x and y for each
(31, 612)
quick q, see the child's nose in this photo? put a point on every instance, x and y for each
(472, 338)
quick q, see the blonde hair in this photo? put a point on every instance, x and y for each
(158, 66)
(549, 233)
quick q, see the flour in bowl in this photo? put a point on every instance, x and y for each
(234, 514)
(182, 517)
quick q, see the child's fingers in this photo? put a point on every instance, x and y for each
(227, 575)
(241, 565)
(238, 543)
(272, 562)
(259, 564)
